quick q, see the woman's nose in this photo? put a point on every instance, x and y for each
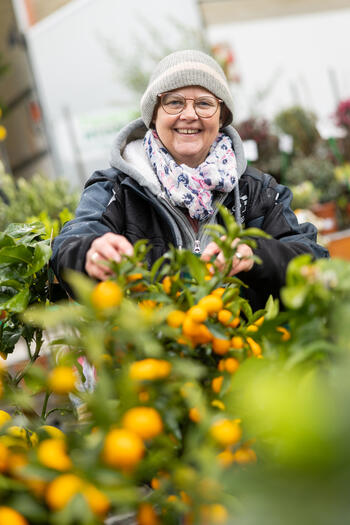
(189, 111)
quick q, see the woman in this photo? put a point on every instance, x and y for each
(170, 169)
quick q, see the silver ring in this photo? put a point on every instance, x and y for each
(95, 257)
(238, 256)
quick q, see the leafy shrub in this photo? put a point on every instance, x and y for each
(27, 198)
(301, 125)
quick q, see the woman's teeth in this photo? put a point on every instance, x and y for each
(188, 131)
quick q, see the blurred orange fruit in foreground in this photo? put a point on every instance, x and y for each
(106, 294)
(144, 421)
(122, 449)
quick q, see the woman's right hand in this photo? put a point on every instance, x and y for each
(108, 246)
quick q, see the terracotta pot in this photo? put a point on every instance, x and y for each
(328, 212)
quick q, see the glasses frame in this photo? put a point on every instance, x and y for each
(161, 95)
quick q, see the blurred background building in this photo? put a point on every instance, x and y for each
(76, 68)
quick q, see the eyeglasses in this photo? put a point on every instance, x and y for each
(174, 104)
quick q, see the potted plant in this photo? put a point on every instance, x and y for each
(320, 172)
(301, 125)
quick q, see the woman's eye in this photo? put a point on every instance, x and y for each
(173, 103)
(205, 103)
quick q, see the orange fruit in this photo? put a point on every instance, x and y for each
(16, 461)
(254, 346)
(189, 327)
(252, 328)
(259, 321)
(221, 346)
(166, 283)
(62, 380)
(203, 336)
(244, 455)
(146, 515)
(194, 415)
(226, 432)
(97, 501)
(237, 342)
(176, 318)
(53, 432)
(144, 421)
(285, 333)
(149, 369)
(155, 483)
(235, 322)
(53, 454)
(216, 384)
(231, 365)
(219, 292)
(218, 404)
(122, 449)
(221, 365)
(197, 314)
(4, 455)
(105, 295)
(226, 458)
(136, 277)
(224, 317)
(211, 303)
(10, 516)
(61, 490)
(218, 514)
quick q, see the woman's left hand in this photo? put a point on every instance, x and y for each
(242, 261)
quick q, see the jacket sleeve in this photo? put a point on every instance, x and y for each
(76, 236)
(288, 239)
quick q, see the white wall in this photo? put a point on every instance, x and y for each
(295, 55)
(73, 69)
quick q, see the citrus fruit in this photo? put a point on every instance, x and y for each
(166, 283)
(197, 314)
(221, 346)
(254, 346)
(285, 334)
(97, 501)
(146, 515)
(231, 365)
(216, 384)
(144, 421)
(4, 454)
(211, 303)
(237, 342)
(194, 415)
(176, 318)
(61, 490)
(226, 458)
(149, 369)
(10, 516)
(105, 295)
(224, 317)
(226, 432)
(244, 455)
(52, 453)
(53, 432)
(62, 380)
(4, 417)
(122, 449)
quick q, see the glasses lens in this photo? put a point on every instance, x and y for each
(173, 104)
(206, 106)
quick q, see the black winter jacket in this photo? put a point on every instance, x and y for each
(137, 214)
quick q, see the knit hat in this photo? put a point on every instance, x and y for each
(186, 68)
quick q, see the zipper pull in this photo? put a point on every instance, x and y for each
(197, 247)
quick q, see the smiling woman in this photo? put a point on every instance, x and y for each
(170, 170)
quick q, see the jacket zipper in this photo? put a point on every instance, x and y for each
(197, 247)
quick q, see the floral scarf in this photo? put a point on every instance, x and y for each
(193, 188)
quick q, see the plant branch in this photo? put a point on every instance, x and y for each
(38, 344)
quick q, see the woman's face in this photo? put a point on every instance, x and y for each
(185, 148)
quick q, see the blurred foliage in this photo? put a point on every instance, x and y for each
(316, 170)
(301, 125)
(39, 196)
(304, 195)
(248, 409)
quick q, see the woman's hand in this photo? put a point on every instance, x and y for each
(242, 261)
(108, 246)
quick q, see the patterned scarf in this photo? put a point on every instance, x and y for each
(193, 188)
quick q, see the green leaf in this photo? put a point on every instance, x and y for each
(49, 317)
(196, 267)
(18, 302)
(42, 254)
(272, 308)
(16, 254)
(294, 296)
(81, 285)
(256, 232)
(6, 240)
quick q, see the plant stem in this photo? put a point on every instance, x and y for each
(38, 344)
(29, 349)
(43, 411)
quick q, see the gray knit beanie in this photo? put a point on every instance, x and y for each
(186, 68)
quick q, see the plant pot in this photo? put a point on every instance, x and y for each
(328, 212)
